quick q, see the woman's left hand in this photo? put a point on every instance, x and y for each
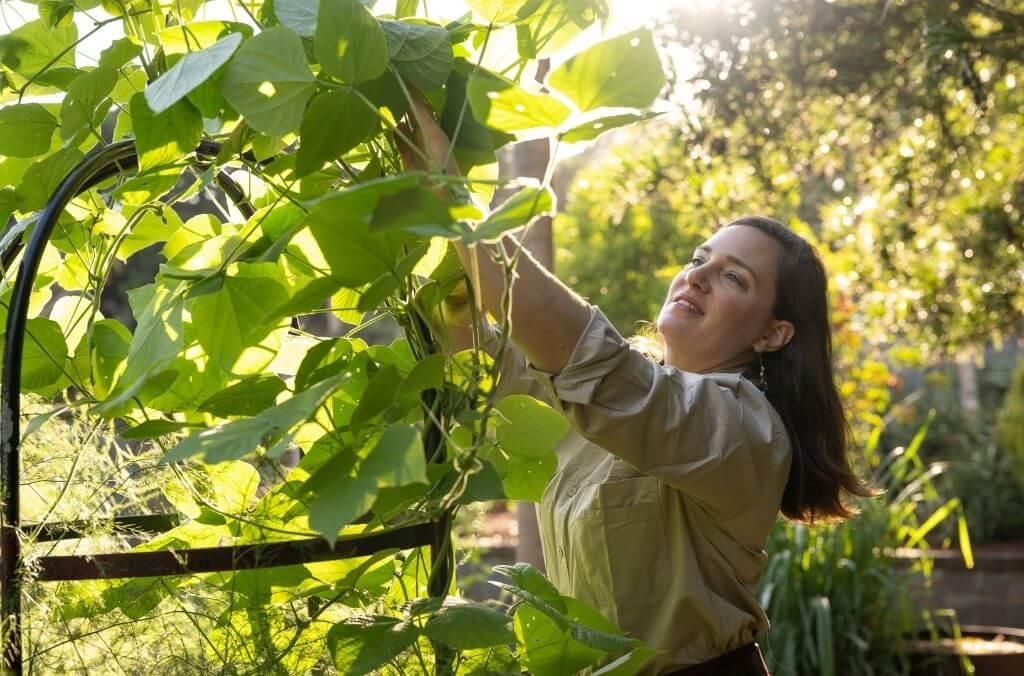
(430, 148)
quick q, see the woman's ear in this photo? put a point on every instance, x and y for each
(777, 336)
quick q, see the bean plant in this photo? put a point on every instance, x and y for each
(216, 404)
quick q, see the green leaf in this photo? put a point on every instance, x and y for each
(623, 71)
(386, 92)
(522, 479)
(397, 459)
(151, 429)
(404, 8)
(199, 35)
(350, 44)
(148, 186)
(249, 396)
(421, 53)
(428, 374)
(591, 130)
(308, 298)
(340, 222)
(237, 438)
(528, 578)
(500, 11)
(53, 11)
(121, 51)
(44, 354)
(516, 211)
(44, 176)
(269, 82)
(338, 499)
(329, 356)
(552, 649)
(345, 304)
(470, 625)
(151, 227)
(229, 441)
(552, 24)
(60, 77)
(232, 485)
(501, 105)
(475, 143)
(379, 395)
(607, 641)
(191, 70)
(560, 633)
(299, 15)
(33, 46)
(334, 123)
(238, 315)
(182, 386)
(483, 486)
(156, 342)
(530, 428)
(26, 130)
(111, 343)
(87, 102)
(417, 210)
(361, 645)
(167, 137)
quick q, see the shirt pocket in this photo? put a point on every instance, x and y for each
(620, 544)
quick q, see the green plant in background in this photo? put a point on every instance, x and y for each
(837, 601)
(1010, 422)
(215, 387)
(903, 163)
(992, 491)
(980, 468)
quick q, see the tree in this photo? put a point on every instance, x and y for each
(901, 162)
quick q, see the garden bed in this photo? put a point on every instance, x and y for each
(991, 593)
(993, 651)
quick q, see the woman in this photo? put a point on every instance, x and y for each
(676, 468)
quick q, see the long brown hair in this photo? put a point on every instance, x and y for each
(800, 383)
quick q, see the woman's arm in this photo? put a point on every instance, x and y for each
(547, 317)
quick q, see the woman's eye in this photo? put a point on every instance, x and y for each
(736, 278)
(696, 261)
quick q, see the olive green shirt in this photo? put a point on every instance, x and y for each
(667, 487)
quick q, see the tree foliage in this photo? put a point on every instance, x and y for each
(891, 130)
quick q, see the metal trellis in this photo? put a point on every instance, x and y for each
(100, 165)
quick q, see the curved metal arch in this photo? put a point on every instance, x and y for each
(98, 166)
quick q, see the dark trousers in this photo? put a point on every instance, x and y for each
(743, 661)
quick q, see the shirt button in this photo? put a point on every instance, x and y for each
(573, 490)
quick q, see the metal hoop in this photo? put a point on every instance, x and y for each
(100, 165)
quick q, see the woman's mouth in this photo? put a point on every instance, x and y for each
(688, 306)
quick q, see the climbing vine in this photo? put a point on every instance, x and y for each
(217, 404)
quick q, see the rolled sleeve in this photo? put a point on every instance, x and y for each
(686, 429)
(512, 374)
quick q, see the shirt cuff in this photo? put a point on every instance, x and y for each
(600, 349)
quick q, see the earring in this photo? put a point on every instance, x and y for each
(764, 379)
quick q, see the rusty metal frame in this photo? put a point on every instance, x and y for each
(100, 165)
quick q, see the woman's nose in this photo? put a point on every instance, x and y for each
(695, 277)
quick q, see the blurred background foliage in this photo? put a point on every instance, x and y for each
(891, 130)
(889, 134)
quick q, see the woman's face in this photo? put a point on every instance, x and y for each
(718, 311)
